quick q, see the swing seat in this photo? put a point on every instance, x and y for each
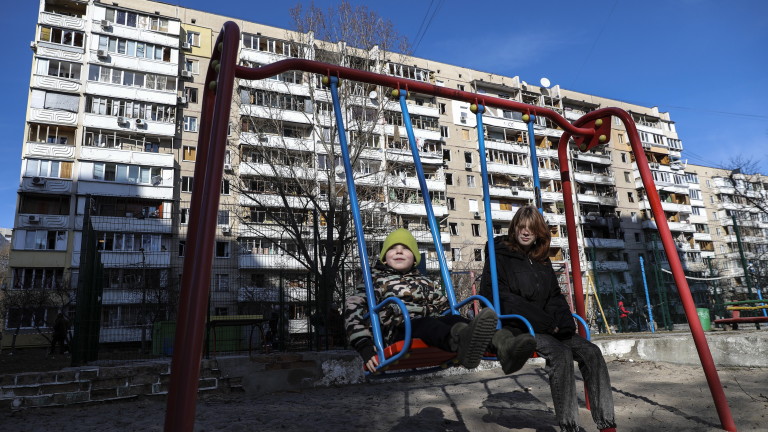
(419, 356)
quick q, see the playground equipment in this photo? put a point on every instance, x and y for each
(589, 131)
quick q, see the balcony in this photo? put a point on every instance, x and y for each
(122, 61)
(591, 157)
(142, 126)
(425, 236)
(164, 160)
(276, 114)
(46, 185)
(269, 261)
(673, 226)
(559, 242)
(417, 209)
(608, 266)
(52, 116)
(58, 84)
(133, 259)
(604, 243)
(131, 93)
(702, 236)
(131, 224)
(518, 170)
(276, 141)
(37, 221)
(608, 199)
(592, 178)
(510, 192)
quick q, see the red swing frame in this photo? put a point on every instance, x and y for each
(590, 130)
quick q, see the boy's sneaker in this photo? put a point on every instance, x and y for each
(513, 351)
(472, 339)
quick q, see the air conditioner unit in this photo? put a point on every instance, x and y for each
(227, 167)
(226, 230)
(140, 121)
(33, 219)
(122, 120)
(186, 46)
(476, 215)
(38, 181)
(186, 74)
(102, 53)
(105, 24)
(468, 165)
(182, 100)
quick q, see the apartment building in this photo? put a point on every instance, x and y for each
(112, 129)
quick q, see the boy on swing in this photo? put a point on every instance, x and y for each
(395, 274)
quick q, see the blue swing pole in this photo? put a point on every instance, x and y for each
(647, 297)
(373, 308)
(531, 119)
(447, 283)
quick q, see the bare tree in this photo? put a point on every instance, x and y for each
(750, 187)
(291, 178)
(30, 303)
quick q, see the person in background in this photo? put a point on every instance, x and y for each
(59, 337)
(528, 286)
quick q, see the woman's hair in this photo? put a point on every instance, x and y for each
(530, 217)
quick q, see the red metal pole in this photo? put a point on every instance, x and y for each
(196, 275)
(700, 340)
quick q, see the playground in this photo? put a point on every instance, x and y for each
(648, 395)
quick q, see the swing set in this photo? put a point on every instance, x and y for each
(589, 131)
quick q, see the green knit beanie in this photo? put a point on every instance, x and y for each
(404, 237)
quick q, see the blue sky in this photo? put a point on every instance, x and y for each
(704, 61)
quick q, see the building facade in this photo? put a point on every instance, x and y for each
(112, 128)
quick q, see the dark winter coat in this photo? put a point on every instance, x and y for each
(528, 288)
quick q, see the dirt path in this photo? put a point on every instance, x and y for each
(649, 397)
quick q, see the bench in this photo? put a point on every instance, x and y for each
(737, 319)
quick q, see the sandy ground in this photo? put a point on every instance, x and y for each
(648, 397)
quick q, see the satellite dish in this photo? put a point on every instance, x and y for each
(545, 82)
(373, 95)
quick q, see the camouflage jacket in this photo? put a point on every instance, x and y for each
(421, 295)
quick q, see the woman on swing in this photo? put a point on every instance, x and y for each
(528, 286)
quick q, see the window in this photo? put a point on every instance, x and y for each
(470, 181)
(192, 66)
(48, 168)
(132, 48)
(186, 184)
(190, 124)
(61, 36)
(193, 38)
(222, 249)
(623, 157)
(191, 94)
(223, 217)
(465, 134)
(451, 203)
(60, 69)
(444, 132)
(225, 187)
(182, 247)
(449, 179)
(637, 237)
(468, 157)
(460, 87)
(184, 216)
(473, 205)
(454, 227)
(455, 254)
(630, 197)
(221, 282)
(446, 155)
(121, 173)
(633, 216)
(475, 230)
(189, 153)
(627, 176)
(45, 240)
(132, 19)
(478, 254)
(442, 108)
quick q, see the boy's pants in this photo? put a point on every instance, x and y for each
(434, 331)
